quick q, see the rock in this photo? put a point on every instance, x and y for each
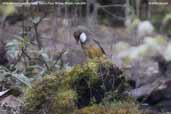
(11, 105)
(161, 93)
(156, 94)
(144, 91)
(149, 110)
(3, 92)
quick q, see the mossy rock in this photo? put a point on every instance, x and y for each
(69, 90)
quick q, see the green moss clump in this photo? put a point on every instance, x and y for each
(64, 102)
(117, 108)
(86, 82)
(40, 92)
(85, 85)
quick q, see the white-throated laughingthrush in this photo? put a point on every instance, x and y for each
(91, 47)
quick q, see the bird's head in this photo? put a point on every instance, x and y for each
(80, 36)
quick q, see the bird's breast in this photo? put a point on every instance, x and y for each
(92, 50)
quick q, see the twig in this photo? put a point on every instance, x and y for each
(44, 62)
(39, 43)
(35, 26)
(59, 56)
(23, 51)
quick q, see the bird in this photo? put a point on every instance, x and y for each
(90, 46)
(108, 72)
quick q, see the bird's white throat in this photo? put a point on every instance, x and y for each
(83, 37)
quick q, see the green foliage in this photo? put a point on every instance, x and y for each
(9, 9)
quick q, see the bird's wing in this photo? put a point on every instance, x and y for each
(99, 46)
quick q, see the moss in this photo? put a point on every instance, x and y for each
(116, 108)
(85, 81)
(40, 92)
(84, 85)
(64, 102)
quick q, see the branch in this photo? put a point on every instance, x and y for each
(59, 56)
(35, 26)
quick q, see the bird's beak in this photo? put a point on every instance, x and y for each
(77, 41)
(76, 36)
